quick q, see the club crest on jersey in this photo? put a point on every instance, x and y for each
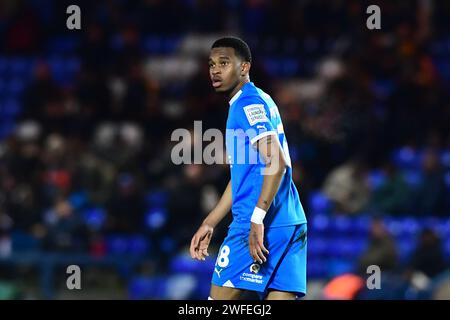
(255, 268)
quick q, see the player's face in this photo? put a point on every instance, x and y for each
(224, 69)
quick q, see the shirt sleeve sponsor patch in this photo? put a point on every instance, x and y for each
(255, 113)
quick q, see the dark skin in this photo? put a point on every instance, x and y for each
(228, 73)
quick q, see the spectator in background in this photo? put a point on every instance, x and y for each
(428, 256)
(185, 203)
(126, 205)
(346, 186)
(65, 231)
(20, 183)
(41, 98)
(430, 198)
(6, 225)
(381, 250)
(394, 194)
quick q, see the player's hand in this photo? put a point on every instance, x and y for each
(256, 243)
(200, 242)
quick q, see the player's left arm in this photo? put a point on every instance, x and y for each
(270, 149)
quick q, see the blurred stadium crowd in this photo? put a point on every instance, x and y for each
(86, 119)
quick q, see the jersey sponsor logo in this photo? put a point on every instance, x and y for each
(255, 113)
(249, 277)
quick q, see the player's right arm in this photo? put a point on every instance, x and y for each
(200, 240)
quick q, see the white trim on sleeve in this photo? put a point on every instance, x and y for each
(262, 135)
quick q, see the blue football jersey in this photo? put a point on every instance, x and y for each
(253, 115)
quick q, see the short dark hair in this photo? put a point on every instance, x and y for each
(240, 47)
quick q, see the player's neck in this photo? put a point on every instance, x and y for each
(238, 87)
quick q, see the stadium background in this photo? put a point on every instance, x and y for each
(86, 117)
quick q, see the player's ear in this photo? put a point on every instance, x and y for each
(245, 68)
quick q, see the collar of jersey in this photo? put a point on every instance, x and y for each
(237, 94)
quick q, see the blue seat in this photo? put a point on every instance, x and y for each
(403, 226)
(317, 245)
(447, 249)
(320, 223)
(405, 249)
(4, 63)
(117, 244)
(72, 66)
(3, 85)
(153, 45)
(183, 263)
(433, 223)
(445, 158)
(410, 226)
(360, 244)
(167, 245)
(11, 109)
(63, 45)
(147, 288)
(344, 247)
(138, 245)
(361, 225)
(413, 177)
(319, 203)
(382, 88)
(439, 48)
(376, 178)
(15, 86)
(445, 228)
(406, 238)
(317, 268)
(57, 68)
(19, 66)
(289, 67)
(156, 218)
(128, 245)
(185, 286)
(447, 179)
(6, 127)
(341, 224)
(170, 45)
(94, 218)
(78, 200)
(406, 158)
(340, 266)
(156, 198)
(272, 66)
(24, 242)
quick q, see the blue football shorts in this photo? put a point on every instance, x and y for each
(284, 270)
